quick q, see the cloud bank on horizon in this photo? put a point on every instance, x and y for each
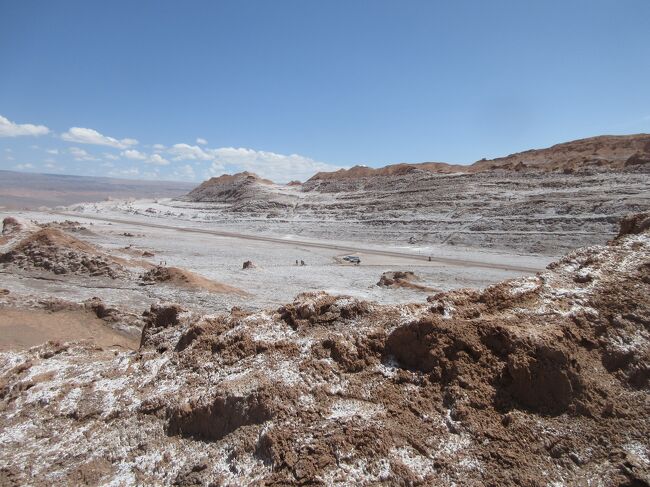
(105, 155)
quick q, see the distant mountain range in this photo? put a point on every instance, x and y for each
(28, 190)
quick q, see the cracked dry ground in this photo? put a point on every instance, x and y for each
(535, 381)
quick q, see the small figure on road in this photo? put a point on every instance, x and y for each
(302, 262)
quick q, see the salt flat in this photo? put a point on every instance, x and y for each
(276, 278)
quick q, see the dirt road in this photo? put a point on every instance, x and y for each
(304, 243)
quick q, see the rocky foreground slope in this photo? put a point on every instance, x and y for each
(536, 381)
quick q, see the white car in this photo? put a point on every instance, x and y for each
(352, 259)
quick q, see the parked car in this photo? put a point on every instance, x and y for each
(352, 259)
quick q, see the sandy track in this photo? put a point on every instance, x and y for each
(21, 329)
(303, 243)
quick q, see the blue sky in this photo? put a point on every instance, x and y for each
(185, 90)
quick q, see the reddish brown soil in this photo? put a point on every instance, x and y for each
(403, 279)
(21, 329)
(538, 381)
(183, 278)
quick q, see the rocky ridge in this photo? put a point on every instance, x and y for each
(545, 201)
(605, 152)
(529, 382)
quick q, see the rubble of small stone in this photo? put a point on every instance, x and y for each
(397, 279)
(542, 380)
(68, 226)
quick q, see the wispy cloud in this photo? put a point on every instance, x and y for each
(52, 166)
(80, 154)
(82, 135)
(186, 152)
(133, 171)
(158, 160)
(134, 155)
(279, 167)
(12, 129)
(185, 172)
(182, 160)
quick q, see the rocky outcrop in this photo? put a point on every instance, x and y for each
(634, 224)
(606, 152)
(244, 192)
(52, 250)
(532, 381)
(227, 187)
(402, 279)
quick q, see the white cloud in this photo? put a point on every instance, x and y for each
(10, 157)
(134, 171)
(52, 151)
(201, 141)
(185, 172)
(186, 152)
(11, 129)
(158, 147)
(158, 160)
(89, 136)
(110, 157)
(52, 166)
(278, 167)
(134, 155)
(80, 154)
(24, 166)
